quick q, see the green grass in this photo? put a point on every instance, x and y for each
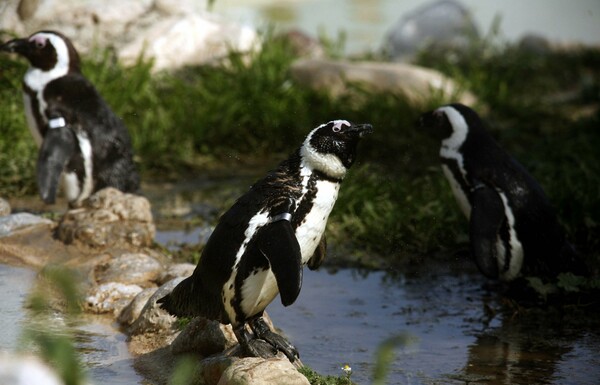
(395, 201)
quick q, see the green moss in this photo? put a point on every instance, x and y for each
(316, 379)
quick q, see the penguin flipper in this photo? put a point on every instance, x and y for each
(319, 255)
(57, 148)
(487, 216)
(278, 243)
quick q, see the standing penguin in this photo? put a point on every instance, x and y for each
(513, 228)
(262, 242)
(79, 136)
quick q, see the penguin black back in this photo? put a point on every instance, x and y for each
(81, 140)
(513, 227)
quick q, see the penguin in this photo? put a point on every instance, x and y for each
(260, 245)
(513, 228)
(80, 139)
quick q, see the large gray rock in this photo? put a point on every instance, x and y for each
(444, 24)
(109, 218)
(11, 223)
(418, 84)
(153, 319)
(132, 311)
(173, 33)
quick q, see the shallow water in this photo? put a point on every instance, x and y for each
(449, 325)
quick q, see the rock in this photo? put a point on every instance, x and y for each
(110, 297)
(205, 337)
(444, 24)
(12, 223)
(303, 45)
(188, 40)
(418, 84)
(26, 370)
(130, 268)
(535, 44)
(176, 270)
(4, 207)
(172, 33)
(109, 218)
(132, 311)
(258, 371)
(154, 319)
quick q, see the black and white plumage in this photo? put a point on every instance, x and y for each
(261, 243)
(79, 136)
(513, 228)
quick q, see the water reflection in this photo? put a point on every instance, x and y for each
(537, 346)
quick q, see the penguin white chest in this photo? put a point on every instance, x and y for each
(311, 229)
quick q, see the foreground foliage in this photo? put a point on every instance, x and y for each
(542, 108)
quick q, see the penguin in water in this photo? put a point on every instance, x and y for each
(260, 245)
(79, 136)
(513, 228)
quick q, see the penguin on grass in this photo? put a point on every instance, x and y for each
(513, 228)
(81, 140)
(260, 245)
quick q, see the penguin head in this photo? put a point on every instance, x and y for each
(331, 147)
(450, 123)
(46, 51)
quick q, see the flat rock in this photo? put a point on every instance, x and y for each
(258, 371)
(129, 268)
(418, 84)
(110, 297)
(109, 218)
(9, 224)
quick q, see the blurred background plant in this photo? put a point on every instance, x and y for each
(53, 305)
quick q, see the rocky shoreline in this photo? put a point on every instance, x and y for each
(108, 242)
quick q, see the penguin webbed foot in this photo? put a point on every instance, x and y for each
(265, 343)
(261, 330)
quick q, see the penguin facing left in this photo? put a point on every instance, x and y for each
(82, 142)
(513, 228)
(260, 245)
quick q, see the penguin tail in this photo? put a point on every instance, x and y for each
(179, 301)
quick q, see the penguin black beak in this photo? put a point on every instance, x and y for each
(15, 46)
(360, 129)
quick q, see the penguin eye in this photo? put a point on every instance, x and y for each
(338, 125)
(39, 42)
